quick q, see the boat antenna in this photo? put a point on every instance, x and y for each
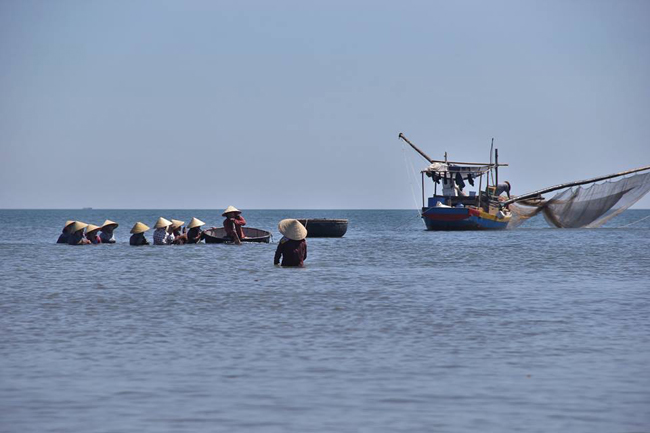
(487, 183)
(424, 155)
(492, 153)
(491, 149)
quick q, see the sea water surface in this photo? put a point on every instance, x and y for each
(391, 328)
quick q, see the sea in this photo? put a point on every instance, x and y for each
(389, 329)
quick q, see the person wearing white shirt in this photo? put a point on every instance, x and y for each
(106, 235)
(162, 235)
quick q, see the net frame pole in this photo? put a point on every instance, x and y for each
(571, 184)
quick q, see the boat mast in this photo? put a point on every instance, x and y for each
(496, 168)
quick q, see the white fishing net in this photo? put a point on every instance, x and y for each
(584, 207)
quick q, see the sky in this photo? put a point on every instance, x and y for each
(298, 105)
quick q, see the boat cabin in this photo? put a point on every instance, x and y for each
(461, 185)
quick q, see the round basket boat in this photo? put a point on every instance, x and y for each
(324, 227)
(218, 236)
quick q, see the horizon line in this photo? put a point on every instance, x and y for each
(210, 209)
(215, 209)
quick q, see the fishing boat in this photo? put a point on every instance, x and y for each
(324, 227)
(489, 209)
(452, 206)
(218, 236)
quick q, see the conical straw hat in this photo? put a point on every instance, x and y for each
(67, 223)
(92, 228)
(139, 228)
(162, 223)
(177, 223)
(230, 209)
(195, 223)
(78, 225)
(292, 229)
(109, 223)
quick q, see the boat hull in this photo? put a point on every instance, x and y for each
(453, 218)
(324, 227)
(218, 236)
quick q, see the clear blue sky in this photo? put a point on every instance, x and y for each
(202, 104)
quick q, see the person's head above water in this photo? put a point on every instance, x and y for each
(108, 226)
(292, 229)
(176, 225)
(195, 223)
(162, 223)
(77, 226)
(92, 230)
(139, 228)
(231, 212)
(67, 226)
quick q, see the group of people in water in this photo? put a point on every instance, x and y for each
(292, 248)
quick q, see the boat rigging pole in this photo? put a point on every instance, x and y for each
(431, 160)
(569, 185)
(417, 149)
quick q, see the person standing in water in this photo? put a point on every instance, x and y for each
(65, 233)
(180, 237)
(163, 235)
(194, 234)
(91, 234)
(233, 224)
(106, 235)
(137, 238)
(292, 248)
(77, 234)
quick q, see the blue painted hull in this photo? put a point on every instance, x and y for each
(450, 219)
